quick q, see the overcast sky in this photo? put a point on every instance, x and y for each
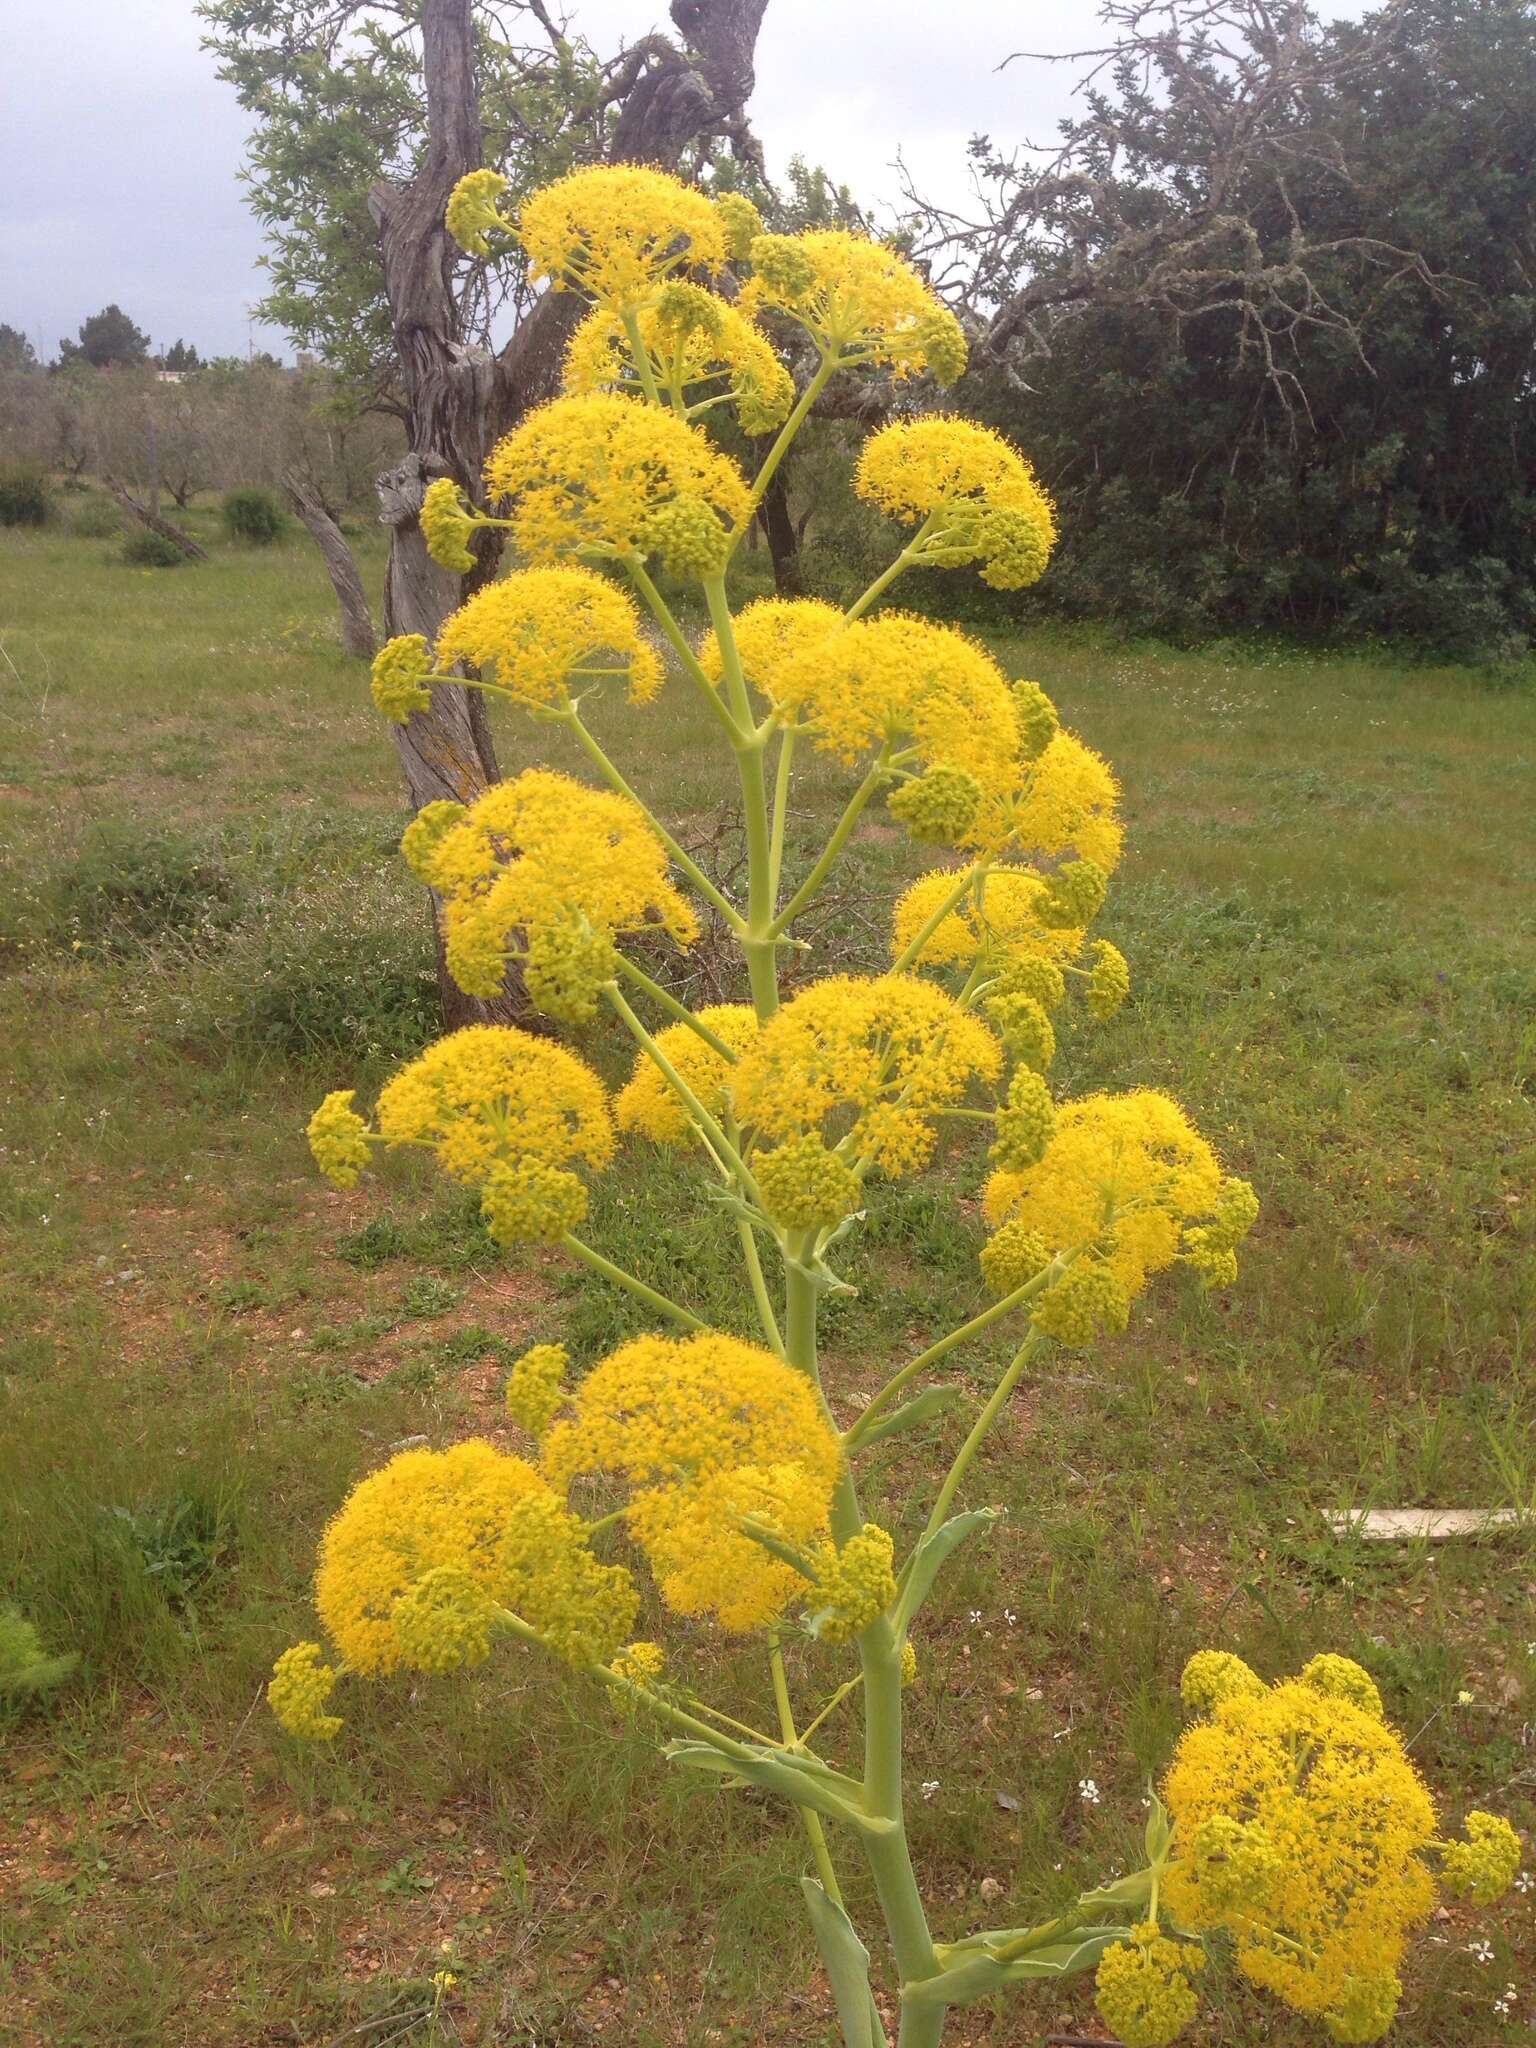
(120, 149)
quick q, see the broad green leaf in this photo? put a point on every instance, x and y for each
(926, 1561)
(804, 1781)
(847, 1961)
(922, 1407)
(971, 1972)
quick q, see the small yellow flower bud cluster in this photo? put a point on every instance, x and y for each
(338, 1138)
(531, 1202)
(1341, 1678)
(1483, 1867)
(1235, 1861)
(446, 524)
(1074, 895)
(1025, 1122)
(425, 833)
(1087, 1302)
(641, 1664)
(535, 1390)
(805, 1186)
(444, 1621)
(565, 968)
(687, 537)
(858, 300)
(1032, 975)
(301, 1684)
(854, 1585)
(1144, 1987)
(1109, 980)
(908, 1662)
(740, 223)
(1211, 1248)
(1038, 720)
(473, 215)
(1212, 1677)
(1012, 1257)
(1025, 1029)
(939, 806)
(398, 677)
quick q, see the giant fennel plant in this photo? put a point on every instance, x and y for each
(1291, 1833)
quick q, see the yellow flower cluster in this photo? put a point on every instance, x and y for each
(1024, 1122)
(1067, 803)
(977, 493)
(425, 1549)
(706, 1432)
(939, 806)
(771, 635)
(301, 1685)
(1089, 1301)
(805, 1186)
(900, 678)
(338, 1138)
(1144, 1987)
(858, 300)
(535, 1390)
(1483, 1867)
(691, 338)
(473, 215)
(997, 922)
(400, 675)
(614, 232)
(603, 476)
(505, 1112)
(1316, 1869)
(542, 854)
(875, 1057)
(1127, 1174)
(649, 1104)
(536, 629)
(446, 524)
(641, 1663)
(854, 1585)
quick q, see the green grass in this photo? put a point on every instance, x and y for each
(1328, 907)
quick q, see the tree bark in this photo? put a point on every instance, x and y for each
(356, 619)
(782, 536)
(154, 522)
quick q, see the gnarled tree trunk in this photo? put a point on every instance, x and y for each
(356, 619)
(461, 399)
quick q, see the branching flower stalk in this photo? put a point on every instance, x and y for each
(1291, 1825)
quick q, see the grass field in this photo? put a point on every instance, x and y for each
(1329, 904)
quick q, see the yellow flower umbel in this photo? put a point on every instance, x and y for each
(649, 1104)
(506, 1113)
(473, 215)
(302, 1683)
(338, 1138)
(606, 477)
(1068, 804)
(537, 631)
(697, 347)
(1127, 1175)
(424, 1551)
(1144, 1987)
(866, 1062)
(616, 232)
(537, 860)
(858, 300)
(897, 678)
(1301, 1829)
(997, 923)
(974, 494)
(772, 634)
(535, 1390)
(707, 1433)
(854, 1585)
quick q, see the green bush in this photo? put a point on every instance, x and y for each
(24, 496)
(147, 549)
(253, 515)
(96, 519)
(132, 884)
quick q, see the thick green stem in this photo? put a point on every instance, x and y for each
(590, 1257)
(759, 944)
(890, 1861)
(768, 1322)
(661, 611)
(781, 789)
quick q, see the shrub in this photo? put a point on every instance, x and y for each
(96, 519)
(146, 549)
(1292, 1828)
(131, 884)
(253, 515)
(25, 499)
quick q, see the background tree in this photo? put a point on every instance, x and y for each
(1265, 319)
(108, 340)
(181, 355)
(366, 118)
(16, 352)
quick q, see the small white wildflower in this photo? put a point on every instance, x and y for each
(930, 1786)
(1464, 1698)
(1525, 1882)
(1010, 1617)
(1088, 1791)
(975, 1617)
(1481, 1952)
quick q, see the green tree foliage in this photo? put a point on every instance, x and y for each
(1273, 354)
(108, 340)
(181, 355)
(340, 103)
(16, 352)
